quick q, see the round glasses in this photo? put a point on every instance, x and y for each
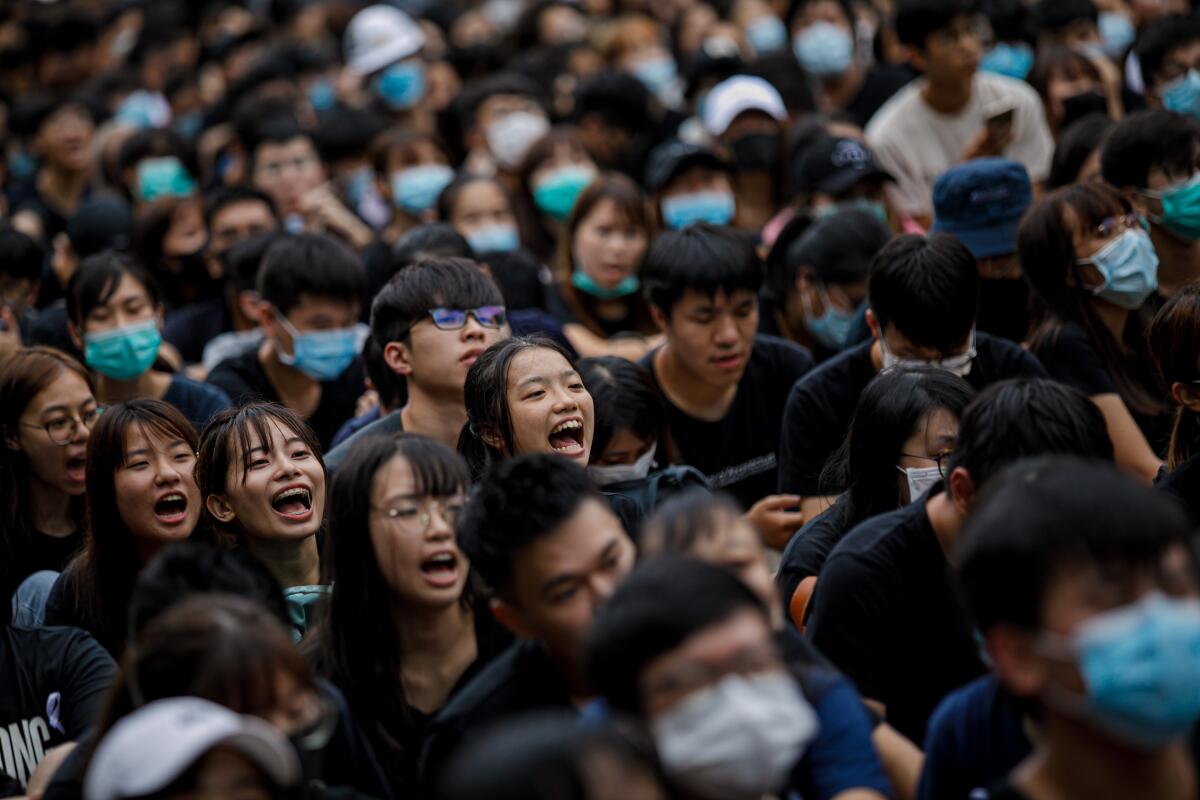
(416, 520)
(62, 430)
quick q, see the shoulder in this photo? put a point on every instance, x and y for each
(874, 540)
(785, 356)
(992, 86)
(190, 388)
(838, 372)
(1007, 356)
(511, 683)
(884, 125)
(392, 423)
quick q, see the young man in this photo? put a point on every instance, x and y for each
(981, 202)
(1154, 158)
(1168, 52)
(500, 118)
(724, 385)
(21, 259)
(923, 293)
(1084, 586)
(954, 113)
(616, 118)
(837, 173)
(687, 647)
(549, 547)
(885, 610)
(310, 291)
(690, 183)
(431, 321)
(61, 131)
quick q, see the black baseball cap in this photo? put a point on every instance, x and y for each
(673, 156)
(832, 165)
(102, 222)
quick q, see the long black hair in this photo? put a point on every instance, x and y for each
(485, 394)
(890, 409)
(1175, 346)
(359, 649)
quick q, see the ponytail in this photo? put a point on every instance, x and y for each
(1185, 437)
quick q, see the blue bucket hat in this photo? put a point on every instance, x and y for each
(981, 202)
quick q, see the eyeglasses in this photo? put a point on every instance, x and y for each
(937, 459)
(453, 319)
(417, 520)
(957, 364)
(1114, 225)
(63, 429)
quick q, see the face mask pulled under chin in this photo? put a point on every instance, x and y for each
(738, 739)
(620, 473)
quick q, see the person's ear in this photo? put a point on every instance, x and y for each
(11, 441)
(658, 317)
(248, 304)
(76, 336)
(213, 266)
(1186, 395)
(873, 324)
(962, 490)
(263, 311)
(398, 358)
(511, 618)
(159, 314)
(915, 56)
(492, 439)
(221, 510)
(1015, 660)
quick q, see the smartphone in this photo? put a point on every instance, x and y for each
(998, 117)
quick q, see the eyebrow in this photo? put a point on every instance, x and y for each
(565, 580)
(144, 450)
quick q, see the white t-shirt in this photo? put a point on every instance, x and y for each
(917, 144)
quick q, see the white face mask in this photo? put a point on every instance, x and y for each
(619, 473)
(510, 137)
(960, 364)
(919, 480)
(737, 740)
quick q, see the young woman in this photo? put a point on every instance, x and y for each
(632, 449)
(601, 251)
(555, 171)
(1087, 257)
(411, 170)
(404, 631)
(171, 238)
(141, 495)
(524, 395)
(116, 321)
(262, 478)
(905, 426)
(1175, 346)
(482, 210)
(47, 411)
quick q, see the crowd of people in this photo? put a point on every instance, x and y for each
(578, 399)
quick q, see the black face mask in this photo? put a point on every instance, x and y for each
(186, 279)
(1078, 106)
(755, 151)
(1004, 308)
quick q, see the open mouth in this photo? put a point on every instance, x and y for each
(440, 569)
(171, 508)
(567, 437)
(77, 469)
(294, 502)
(728, 360)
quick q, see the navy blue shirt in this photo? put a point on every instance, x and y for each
(196, 401)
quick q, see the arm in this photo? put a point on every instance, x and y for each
(1130, 449)
(589, 345)
(902, 761)
(842, 762)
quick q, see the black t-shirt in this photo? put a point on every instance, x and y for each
(821, 405)
(61, 609)
(1071, 357)
(33, 553)
(886, 611)
(54, 681)
(243, 378)
(193, 326)
(635, 318)
(1184, 483)
(879, 84)
(522, 678)
(806, 552)
(739, 454)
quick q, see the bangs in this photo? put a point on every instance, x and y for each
(1093, 202)
(437, 471)
(155, 427)
(256, 420)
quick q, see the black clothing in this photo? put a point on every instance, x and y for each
(807, 551)
(199, 402)
(635, 320)
(193, 326)
(1184, 483)
(522, 678)
(887, 612)
(28, 554)
(739, 454)
(243, 378)
(55, 681)
(879, 84)
(61, 609)
(822, 403)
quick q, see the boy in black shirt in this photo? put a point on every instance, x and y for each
(310, 290)
(724, 385)
(1084, 586)
(541, 536)
(885, 608)
(923, 295)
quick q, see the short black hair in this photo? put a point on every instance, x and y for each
(275, 130)
(1027, 417)
(243, 261)
(347, 133)
(928, 288)
(1160, 38)
(312, 264)
(1048, 516)
(222, 196)
(839, 248)
(521, 500)
(96, 280)
(1053, 16)
(186, 568)
(478, 92)
(703, 258)
(661, 604)
(1075, 146)
(624, 397)
(917, 19)
(434, 240)
(156, 143)
(21, 255)
(431, 283)
(1147, 139)
(618, 98)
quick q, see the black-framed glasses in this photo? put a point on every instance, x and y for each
(937, 458)
(453, 319)
(62, 430)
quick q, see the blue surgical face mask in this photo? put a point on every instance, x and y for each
(416, 189)
(494, 239)
(1129, 267)
(1116, 31)
(322, 94)
(123, 353)
(767, 34)
(321, 355)
(584, 283)
(659, 74)
(716, 208)
(824, 49)
(1182, 95)
(402, 85)
(1138, 664)
(358, 185)
(832, 327)
(1008, 59)
(875, 208)
(163, 177)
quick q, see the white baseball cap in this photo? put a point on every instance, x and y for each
(734, 96)
(379, 36)
(151, 748)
